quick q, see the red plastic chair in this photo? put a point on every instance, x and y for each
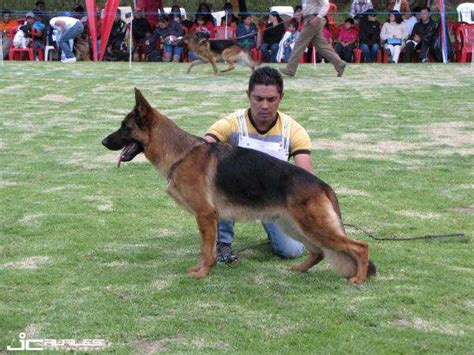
(224, 32)
(466, 34)
(16, 52)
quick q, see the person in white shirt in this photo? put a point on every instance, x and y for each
(68, 28)
(415, 17)
(394, 34)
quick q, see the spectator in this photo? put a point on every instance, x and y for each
(247, 32)
(30, 34)
(272, 36)
(205, 10)
(369, 36)
(415, 17)
(358, 8)
(140, 27)
(288, 41)
(169, 33)
(40, 8)
(346, 39)
(298, 15)
(394, 34)
(68, 28)
(176, 15)
(401, 6)
(229, 19)
(327, 34)
(152, 8)
(7, 25)
(116, 47)
(203, 26)
(422, 37)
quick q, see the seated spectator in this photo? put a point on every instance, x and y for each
(369, 36)
(358, 8)
(116, 46)
(30, 34)
(205, 10)
(401, 6)
(203, 26)
(346, 39)
(272, 36)
(328, 37)
(394, 34)
(298, 15)
(229, 19)
(169, 33)
(415, 17)
(288, 41)
(7, 25)
(140, 27)
(247, 32)
(422, 37)
(175, 14)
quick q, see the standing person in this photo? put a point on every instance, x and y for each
(7, 25)
(415, 17)
(369, 36)
(69, 28)
(272, 36)
(422, 37)
(358, 8)
(394, 34)
(314, 12)
(401, 6)
(264, 128)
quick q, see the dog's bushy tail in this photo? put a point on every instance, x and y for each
(345, 264)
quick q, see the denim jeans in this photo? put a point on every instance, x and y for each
(282, 245)
(286, 54)
(370, 52)
(71, 33)
(270, 52)
(172, 50)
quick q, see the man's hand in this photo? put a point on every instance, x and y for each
(315, 20)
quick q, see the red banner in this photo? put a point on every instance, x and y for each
(91, 7)
(110, 12)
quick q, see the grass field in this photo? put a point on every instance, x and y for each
(91, 251)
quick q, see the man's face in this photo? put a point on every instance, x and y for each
(264, 102)
(30, 20)
(348, 25)
(248, 21)
(40, 7)
(163, 25)
(425, 15)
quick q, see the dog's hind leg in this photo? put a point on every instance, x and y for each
(207, 223)
(322, 227)
(230, 67)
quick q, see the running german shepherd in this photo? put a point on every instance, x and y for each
(218, 181)
(211, 51)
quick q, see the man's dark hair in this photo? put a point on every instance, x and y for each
(426, 8)
(6, 12)
(416, 10)
(293, 22)
(266, 76)
(297, 7)
(351, 21)
(40, 3)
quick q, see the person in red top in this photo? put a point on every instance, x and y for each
(6, 27)
(206, 28)
(346, 39)
(151, 9)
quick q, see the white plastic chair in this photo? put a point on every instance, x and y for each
(286, 12)
(181, 9)
(466, 12)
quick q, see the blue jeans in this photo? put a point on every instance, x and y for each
(270, 52)
(370, 52)
(286, 54)
(282, 245)
(71, 33)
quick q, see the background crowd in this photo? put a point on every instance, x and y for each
(392, 34)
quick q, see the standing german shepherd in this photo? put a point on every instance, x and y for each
(211, 51)
(217, 181)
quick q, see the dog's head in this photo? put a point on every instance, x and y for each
(134, 132)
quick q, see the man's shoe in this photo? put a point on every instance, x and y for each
(225, 253)
(286, 72)
(425, 60)
(340, 69)
(68, 60)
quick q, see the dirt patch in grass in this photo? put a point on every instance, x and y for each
(56, 98)
(456, 135)
(429, 326)
(30, 263)
(347, 191)
(463, 210)
(419, 215)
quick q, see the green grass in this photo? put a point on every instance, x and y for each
(108, 250)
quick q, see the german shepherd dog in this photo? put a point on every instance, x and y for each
(217, 181)
(212, 51)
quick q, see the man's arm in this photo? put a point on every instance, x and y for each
(304, 161)
(210, 139)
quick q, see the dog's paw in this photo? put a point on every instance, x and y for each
(194, 268)
(299, 267)
(357, 281)
(200, 273)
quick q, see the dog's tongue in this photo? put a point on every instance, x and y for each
(124, 151)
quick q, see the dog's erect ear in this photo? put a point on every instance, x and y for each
(142, 105)
(141, 102)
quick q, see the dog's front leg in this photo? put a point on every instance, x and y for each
(207, 223)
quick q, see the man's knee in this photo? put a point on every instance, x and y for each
(289, 250)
